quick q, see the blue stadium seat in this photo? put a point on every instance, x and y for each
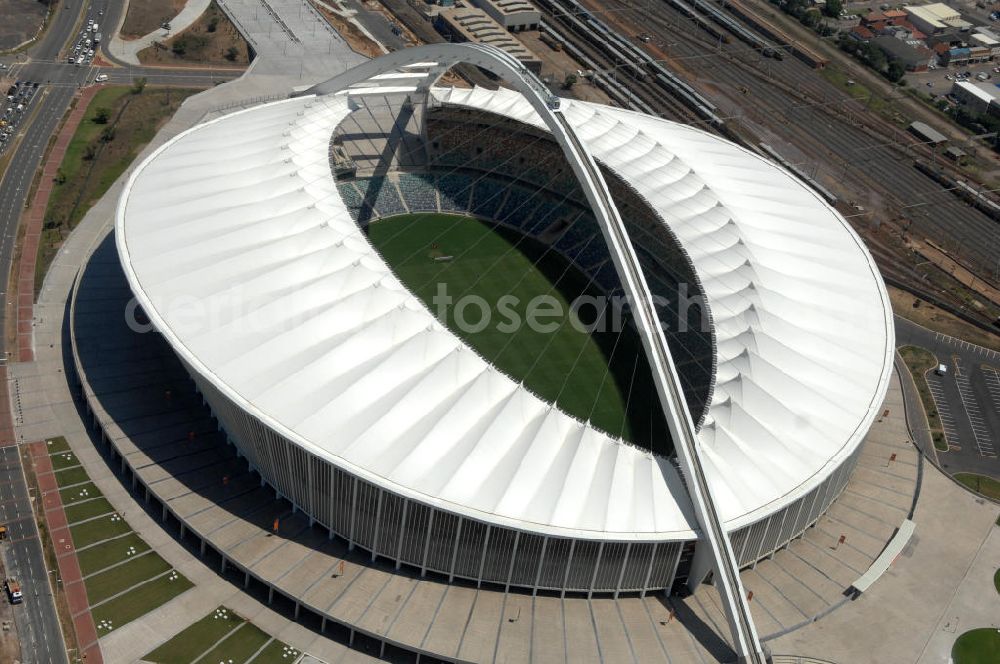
(381, 194)
(419, 193)
(455, 190)
(487, 197)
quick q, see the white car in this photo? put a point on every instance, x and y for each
(101, 78)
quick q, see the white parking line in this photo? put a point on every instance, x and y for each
(944, 411)
(983, 440)
(993, 385)
(965, 345)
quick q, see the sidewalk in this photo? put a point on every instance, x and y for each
(127, 50)
(33, 220)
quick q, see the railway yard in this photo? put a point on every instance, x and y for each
(694, 62)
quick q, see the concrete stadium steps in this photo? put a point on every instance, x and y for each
(808, 577)
(379, 137)
(373, 602)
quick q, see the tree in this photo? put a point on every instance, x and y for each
(138, 85)
(213, 24)
(896, 71)
(569, 81)
(179, 47)
(108, 134)
(833, 8)
(231, 53)
(102, 115)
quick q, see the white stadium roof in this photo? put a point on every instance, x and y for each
(237, 244)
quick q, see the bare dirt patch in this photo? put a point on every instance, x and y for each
(936, 319)
(145, 16)
(20, 20)
(10, 647)
(357, 40)
(211, 40)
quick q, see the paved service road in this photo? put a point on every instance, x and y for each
(967, 398)
(37, 623)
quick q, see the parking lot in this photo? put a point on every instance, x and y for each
(939, 81)
(967, 397)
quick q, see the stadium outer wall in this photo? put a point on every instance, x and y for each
(430, 539)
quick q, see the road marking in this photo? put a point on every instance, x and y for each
(944, 411)
(979, 429)
(992, 378)
(953, 341)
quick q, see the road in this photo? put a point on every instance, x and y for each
(36, 619)
(37, 623)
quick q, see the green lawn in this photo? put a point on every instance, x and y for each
(977, 646)
(71, 476)
(101, 149)
(118, 579)
(89, 130)
(276, 652)
(239, 646)
(189, 644)
(982, 484)
(87, 510)
(93, 522)
(63, 460)
(57, 444)
(91, 532)
(103, 555)
(138, 602)
(75, 494)
(565, 364)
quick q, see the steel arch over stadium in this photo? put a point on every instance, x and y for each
(348, 396)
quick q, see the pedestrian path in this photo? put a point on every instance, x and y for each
(127, 50)
(34, 219)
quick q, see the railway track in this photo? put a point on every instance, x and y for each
(659, 90)
(851, 149)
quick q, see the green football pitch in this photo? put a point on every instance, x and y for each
(598, 376)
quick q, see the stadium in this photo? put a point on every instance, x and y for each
(293, 256)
